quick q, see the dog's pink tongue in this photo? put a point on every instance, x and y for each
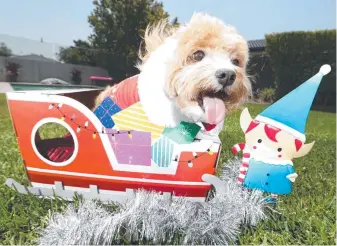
(215, 110)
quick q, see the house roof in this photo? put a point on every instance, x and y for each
(256, 45)
(34, 58)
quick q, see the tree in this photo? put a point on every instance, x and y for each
(118, 27)
(81, 54)
(175, 22)
(4, 50)
(117, 30)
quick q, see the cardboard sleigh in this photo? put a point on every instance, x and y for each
(94, 168)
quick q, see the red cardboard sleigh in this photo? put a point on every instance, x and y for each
(92, 168)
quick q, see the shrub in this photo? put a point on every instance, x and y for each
(76, 76)
(12, 71)
(259, 68)
(297, 56)
(266, 95)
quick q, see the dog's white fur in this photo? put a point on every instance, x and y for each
(168, 85)
(160, 109)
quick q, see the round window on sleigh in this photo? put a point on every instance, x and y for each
(54, 142)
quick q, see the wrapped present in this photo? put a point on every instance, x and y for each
(111, 135)
(132, 148)
(135, 118)
(105, 110)
(162, 152)
(184, 133)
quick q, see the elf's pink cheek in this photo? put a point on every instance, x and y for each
(254, 147)
(279, 156)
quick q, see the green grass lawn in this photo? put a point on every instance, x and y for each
(308, 215)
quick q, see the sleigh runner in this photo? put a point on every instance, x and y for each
(100, 162)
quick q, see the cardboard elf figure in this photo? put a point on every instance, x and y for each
(274, 138)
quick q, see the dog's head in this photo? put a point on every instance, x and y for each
(207, 68)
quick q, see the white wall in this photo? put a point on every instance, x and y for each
(34, 71)
(2, 69)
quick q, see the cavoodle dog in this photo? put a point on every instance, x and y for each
(193, 73)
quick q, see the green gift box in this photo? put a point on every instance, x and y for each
(184, 133)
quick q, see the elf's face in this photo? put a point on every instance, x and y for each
(268, 142)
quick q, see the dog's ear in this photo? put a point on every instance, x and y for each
(245, 119)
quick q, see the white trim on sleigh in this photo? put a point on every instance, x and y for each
(108, 177)
(111, 193)
(72, 133)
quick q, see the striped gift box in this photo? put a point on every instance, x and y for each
(134, 118)
(162, 152)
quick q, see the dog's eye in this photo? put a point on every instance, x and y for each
(279, 149)
(236, 62)
(198, 55)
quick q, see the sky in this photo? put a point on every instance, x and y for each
(62, 21)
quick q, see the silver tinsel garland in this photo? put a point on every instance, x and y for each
(149, 218)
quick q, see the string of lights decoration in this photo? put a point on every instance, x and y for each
(195, 155)
(86, 124)
(129, 132)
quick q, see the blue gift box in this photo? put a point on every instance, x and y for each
(162, 152)
(105, 110)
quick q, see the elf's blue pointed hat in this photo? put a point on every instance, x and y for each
(290, 113)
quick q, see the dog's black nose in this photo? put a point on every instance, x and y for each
(225, 76)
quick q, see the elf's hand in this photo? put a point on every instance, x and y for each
(292, 177)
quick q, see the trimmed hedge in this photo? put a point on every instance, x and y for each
(261, 72)
(296, 56)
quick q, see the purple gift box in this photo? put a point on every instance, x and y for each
(135, 150)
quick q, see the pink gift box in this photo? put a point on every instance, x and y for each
(135, 150)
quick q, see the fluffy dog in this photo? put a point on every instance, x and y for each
(193, 73)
